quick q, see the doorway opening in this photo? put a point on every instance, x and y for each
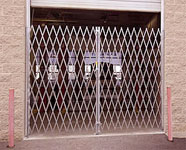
(94, 72)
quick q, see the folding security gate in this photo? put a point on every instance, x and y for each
(86, 80)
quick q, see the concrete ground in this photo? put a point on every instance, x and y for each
(108, 142)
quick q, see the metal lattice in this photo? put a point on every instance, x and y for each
(131, 91)
(92, 79)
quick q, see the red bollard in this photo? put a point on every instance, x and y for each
(11, 119)
(169, 114)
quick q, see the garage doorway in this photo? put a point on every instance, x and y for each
(94, 72)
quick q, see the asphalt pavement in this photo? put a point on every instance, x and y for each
(108, 142)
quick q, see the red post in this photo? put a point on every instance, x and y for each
(11, 119)
(169, 114)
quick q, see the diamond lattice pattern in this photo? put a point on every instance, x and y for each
(62, 79)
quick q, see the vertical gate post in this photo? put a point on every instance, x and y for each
(11, 119)
(162, 61)
(27, 77)
(97, 80)
(169, 114)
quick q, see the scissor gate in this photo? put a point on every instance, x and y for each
(86, 80)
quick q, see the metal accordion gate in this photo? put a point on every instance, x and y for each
(91, 80)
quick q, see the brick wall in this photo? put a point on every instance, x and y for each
(12, 63)
(175, 62)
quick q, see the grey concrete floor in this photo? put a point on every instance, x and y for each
(116, 142)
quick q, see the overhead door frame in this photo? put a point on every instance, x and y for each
(123, 5)
(27, 44)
